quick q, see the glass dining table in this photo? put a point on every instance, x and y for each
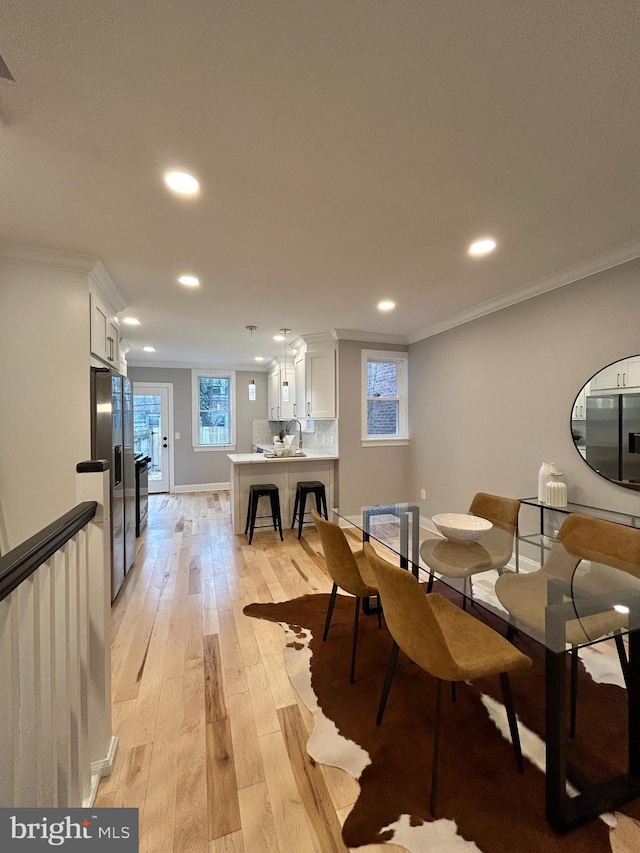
(568, 604)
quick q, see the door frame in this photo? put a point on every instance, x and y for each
(168, 387)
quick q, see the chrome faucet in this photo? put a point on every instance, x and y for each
(286, 429)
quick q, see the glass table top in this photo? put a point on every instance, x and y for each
(570, 601)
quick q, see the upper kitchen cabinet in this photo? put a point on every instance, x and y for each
(105, 302)
(620, 376)
(105, 331)
(315, 367)
(281, 397)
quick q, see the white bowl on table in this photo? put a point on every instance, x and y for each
(461, 527)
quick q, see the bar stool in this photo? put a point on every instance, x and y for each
(304, 488)
(264, 490)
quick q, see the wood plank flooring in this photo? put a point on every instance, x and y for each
(211, 733)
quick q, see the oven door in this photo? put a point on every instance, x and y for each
(142, 492)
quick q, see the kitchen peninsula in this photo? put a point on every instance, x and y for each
(248, 469)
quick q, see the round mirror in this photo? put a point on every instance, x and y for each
(605, 422)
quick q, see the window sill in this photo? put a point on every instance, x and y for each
(226, 448)
(384, 442)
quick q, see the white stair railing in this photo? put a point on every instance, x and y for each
(55, 702)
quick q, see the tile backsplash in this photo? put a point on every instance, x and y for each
(323, 439)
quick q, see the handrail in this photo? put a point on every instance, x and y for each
(22, 561)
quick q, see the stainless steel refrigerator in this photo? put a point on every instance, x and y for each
(112, 439)
(613, 436)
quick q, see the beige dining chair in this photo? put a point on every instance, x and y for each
(493, 551)
(612, 551)
(349, 571)
(446, 642)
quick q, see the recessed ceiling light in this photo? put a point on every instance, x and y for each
(259, 358)
(481, 247)
(278, 338)
(131, 321)
(182, 183)
(149, 349)
(189, 280)
(386, 305)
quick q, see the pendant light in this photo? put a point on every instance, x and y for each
(252, 382)
(285, 383)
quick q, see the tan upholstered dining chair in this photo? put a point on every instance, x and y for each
(350, 571)
(493, 551)
(606, 546)
(446, 642)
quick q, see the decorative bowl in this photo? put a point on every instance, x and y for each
(461, 527)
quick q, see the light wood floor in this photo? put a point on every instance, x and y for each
(211, 734)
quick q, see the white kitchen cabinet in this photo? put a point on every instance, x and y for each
(281, 400)
(632, 372)
(320, 383)
(580, 406)
(105, 332)
(619, 376)
(299, 404)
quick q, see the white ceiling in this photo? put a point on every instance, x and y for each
(347, 151)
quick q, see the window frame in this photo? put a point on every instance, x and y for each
(401, 359)
(196, 375)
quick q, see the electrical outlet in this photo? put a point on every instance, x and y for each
(177, 436)
(423, 494)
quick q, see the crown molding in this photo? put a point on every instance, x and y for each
(18, 253)
(591, 266)
(36, 256)
(370, 337)
(103, 280)
(187, 365)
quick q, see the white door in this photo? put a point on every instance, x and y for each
(153, 431)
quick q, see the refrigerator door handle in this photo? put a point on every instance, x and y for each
(117, 465)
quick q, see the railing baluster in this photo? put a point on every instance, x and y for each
(46, 767)
(27, 601)
(61, 650)
(7, 702)
(82, 551)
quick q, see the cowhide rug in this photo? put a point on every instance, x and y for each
(483, 803)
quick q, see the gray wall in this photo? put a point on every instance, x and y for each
(491, 400)
(193, 468)
(366, 474)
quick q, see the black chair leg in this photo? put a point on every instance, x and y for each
(430, 584)
(436, 749)
(573, 697)
(246, 527)
(323, 496)
(301, 509)
(332, 601)
(295, 508)
(379, 611)
(391, 668)
(254, 512)
(511, 716)
(453, 691)
(356, 622)
(279, 518)
(622, 654)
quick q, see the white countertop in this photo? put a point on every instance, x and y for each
(260, 459)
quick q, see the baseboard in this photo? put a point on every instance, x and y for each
(204, 487)
(100, 768)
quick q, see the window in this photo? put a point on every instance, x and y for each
(213, 409)
(384, 398)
